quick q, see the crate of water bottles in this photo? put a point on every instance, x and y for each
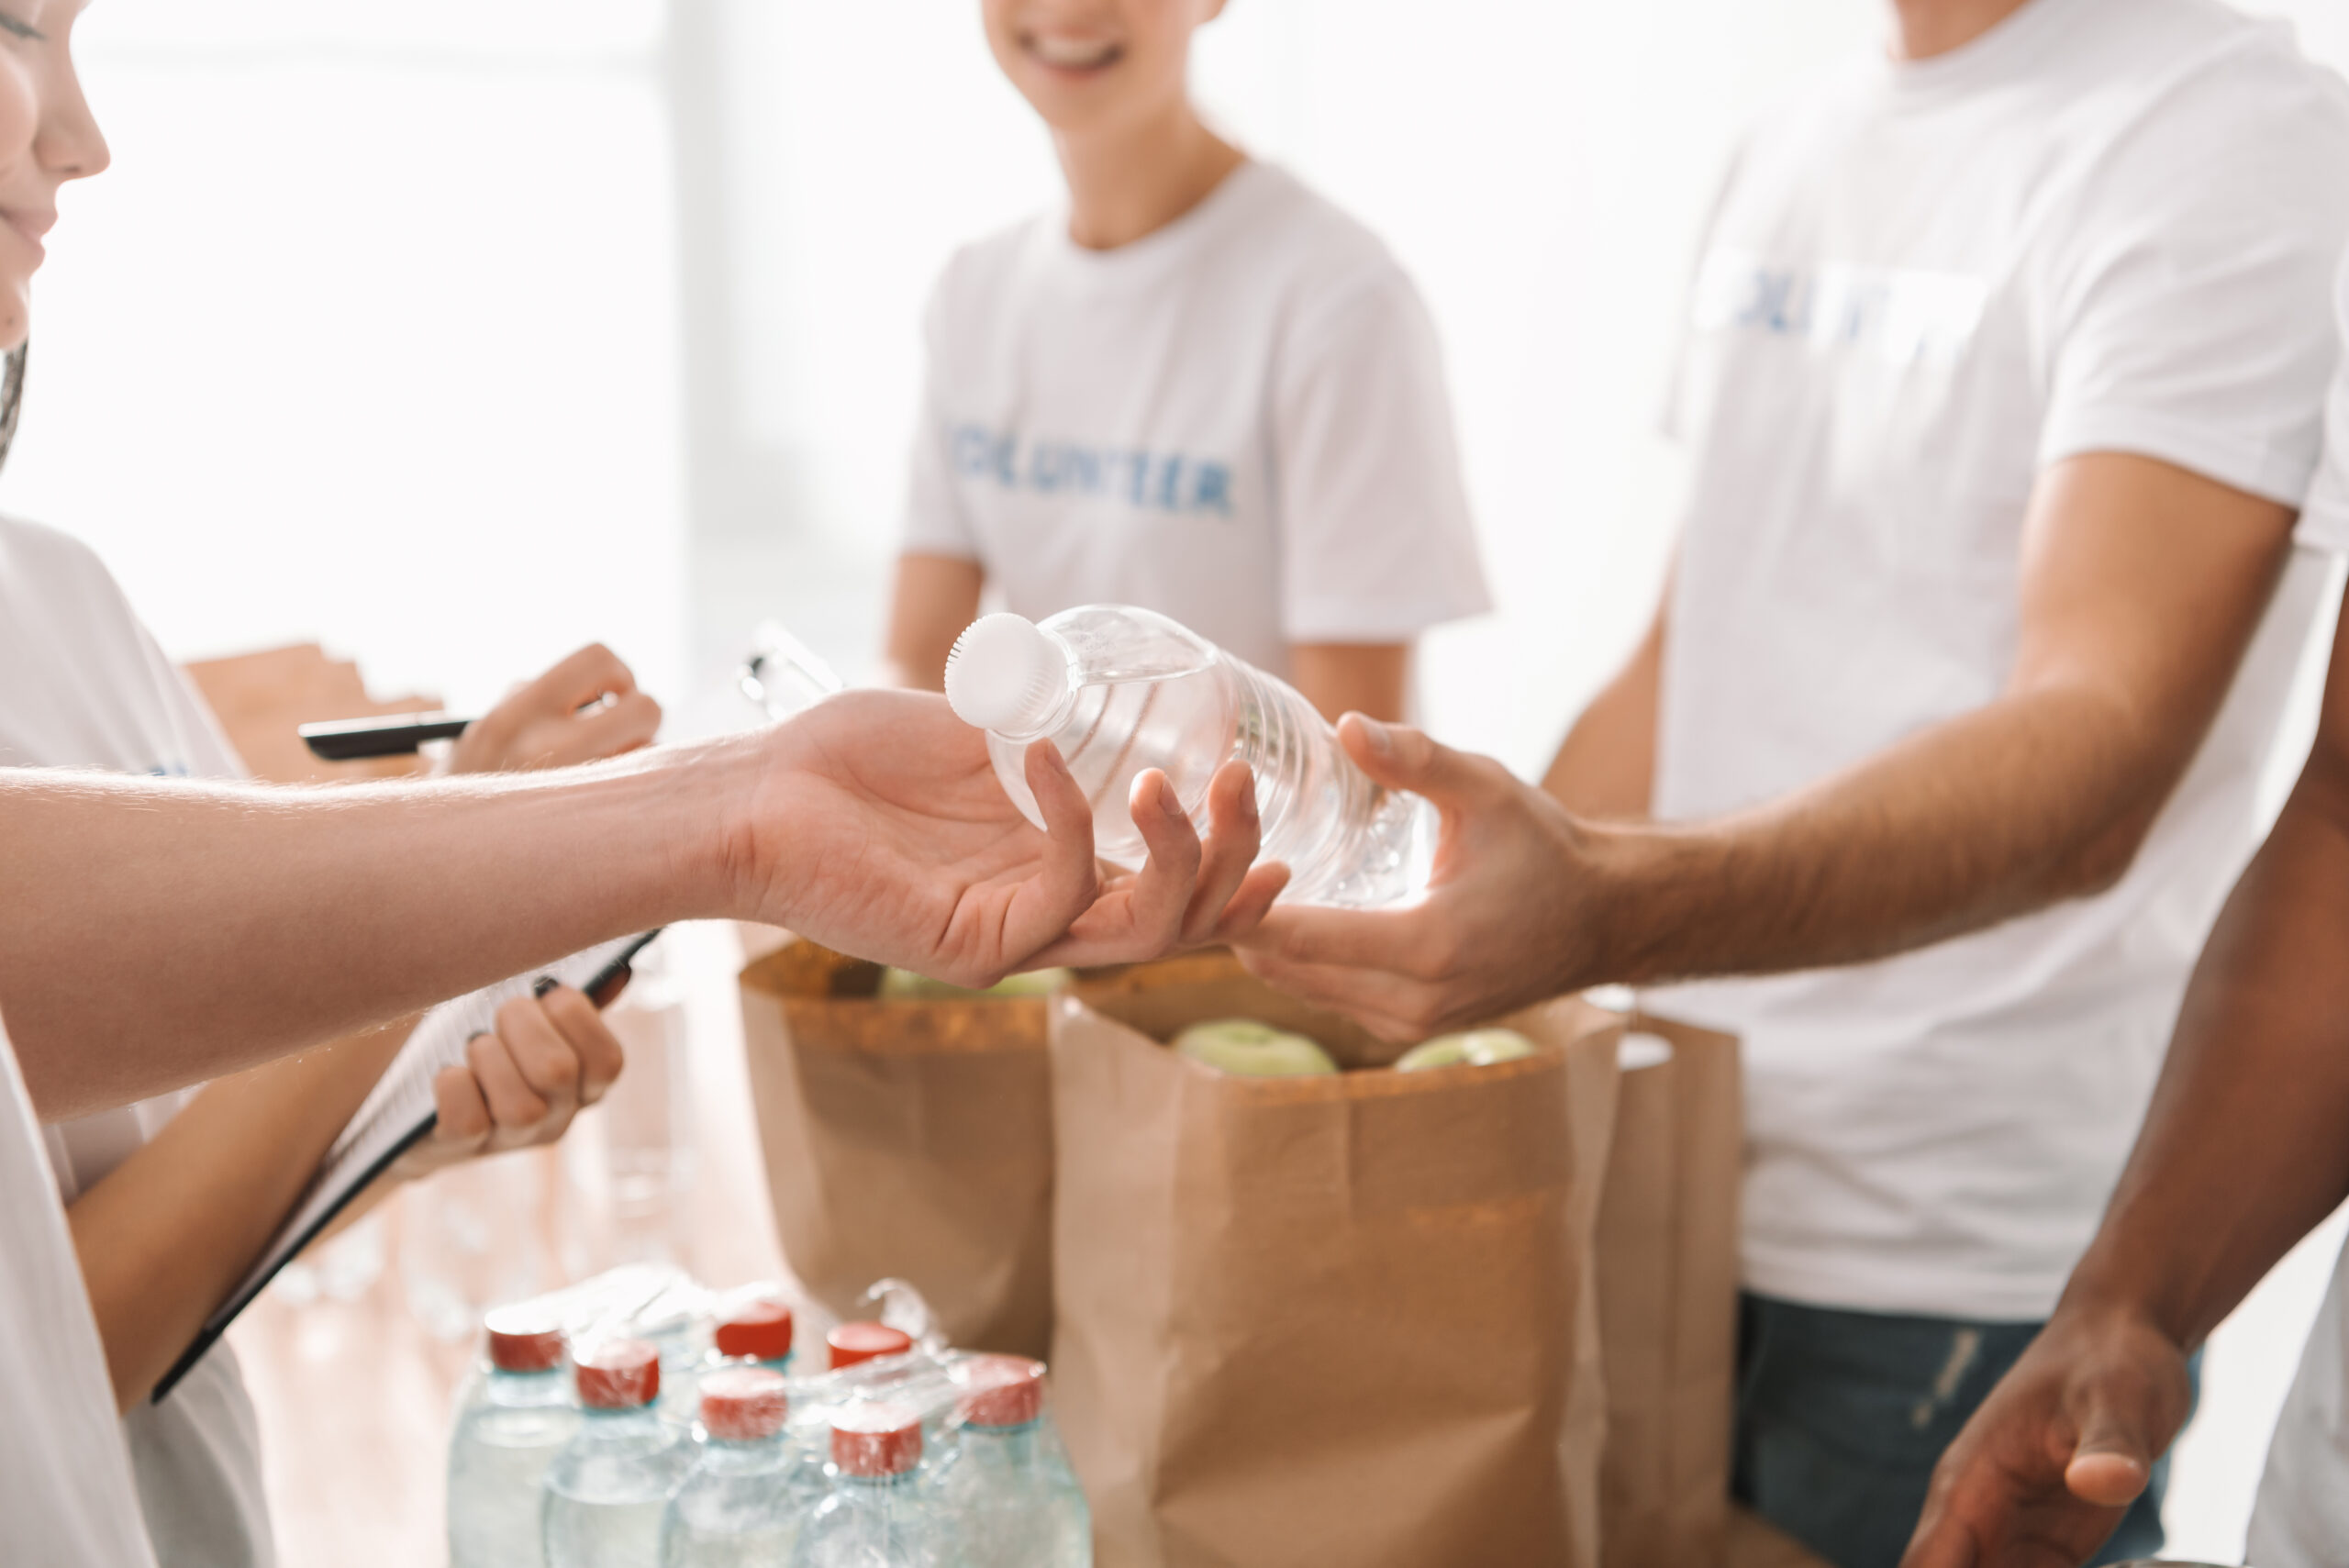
(641, 1420)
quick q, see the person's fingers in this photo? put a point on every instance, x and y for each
(465, 1121)
(2113, 1459)
(1067, 881)
(622, 725)
(1394, 1008)
(1412, 942)
(541, 1053)
(1159, 895)
(1247, 908)
(1400, 756)
(1235, 835)
(591, 1040)
(577, 679)
(512, 1102)
(1942, 1541)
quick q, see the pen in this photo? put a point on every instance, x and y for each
(349, 739)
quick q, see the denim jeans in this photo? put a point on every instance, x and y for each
(1840, 1416)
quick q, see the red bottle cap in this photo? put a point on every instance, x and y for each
(1005, 1391)
(743, 1402)
(761, 1330)
(854, 1342)
(523, 1339)
(879, 1439)
(619, 1374)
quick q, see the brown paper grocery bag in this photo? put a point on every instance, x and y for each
(1667, 1297)
(1325, 1321)
(906, 1139)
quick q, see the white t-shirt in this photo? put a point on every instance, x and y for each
(1239, 421)
(2301, 1519)
(84, 686)
(65, 1491)
(2104, 226)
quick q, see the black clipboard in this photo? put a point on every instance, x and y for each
(333, 1190)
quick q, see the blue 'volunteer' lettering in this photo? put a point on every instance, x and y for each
(1163, 482)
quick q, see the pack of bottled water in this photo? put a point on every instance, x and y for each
(640, 1420)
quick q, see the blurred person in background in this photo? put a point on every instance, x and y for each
(2246, 1151)
(1199, 387)
(2002, 384)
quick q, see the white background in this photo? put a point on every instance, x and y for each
(455, 332)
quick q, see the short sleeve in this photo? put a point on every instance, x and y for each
(935, 523)
(1376, 540)
(2324, 518)
(2191, 305)
(202, 743)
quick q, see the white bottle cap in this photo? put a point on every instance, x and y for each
(1007, 675)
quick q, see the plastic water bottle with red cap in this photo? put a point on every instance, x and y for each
(606, 1492)
(1118, 690)
(1004, 1491)
(879, 1514)
(517, 1419)
(752, 1491)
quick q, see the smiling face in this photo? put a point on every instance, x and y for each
(47, 137)
(1088, 66)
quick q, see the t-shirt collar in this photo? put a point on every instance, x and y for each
(2003, 53)
(1162, 247)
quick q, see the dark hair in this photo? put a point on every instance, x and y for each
(12, 397)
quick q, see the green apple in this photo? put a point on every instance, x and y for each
(1471, 1048)
(904, 985)
(1250, 1050)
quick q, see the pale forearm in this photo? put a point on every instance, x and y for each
(2246, 1146)
(162, 934)
(1991, 815)
(166, 1235)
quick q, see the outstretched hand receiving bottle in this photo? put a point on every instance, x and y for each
(1118, 690)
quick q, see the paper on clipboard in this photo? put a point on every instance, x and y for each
(397, 1114)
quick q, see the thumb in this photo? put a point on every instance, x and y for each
(2114, 1456)
(1400, 757)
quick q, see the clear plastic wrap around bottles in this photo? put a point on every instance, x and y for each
(1118, 690)
(564, 1456)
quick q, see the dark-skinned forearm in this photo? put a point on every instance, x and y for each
(2246, 1146)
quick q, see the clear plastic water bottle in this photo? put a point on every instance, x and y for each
(879, 1515)
(513, 1421)
(1005, 1494)
(851, 1343)
(752, 1490)
(1118, 690)
(606, 1490)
